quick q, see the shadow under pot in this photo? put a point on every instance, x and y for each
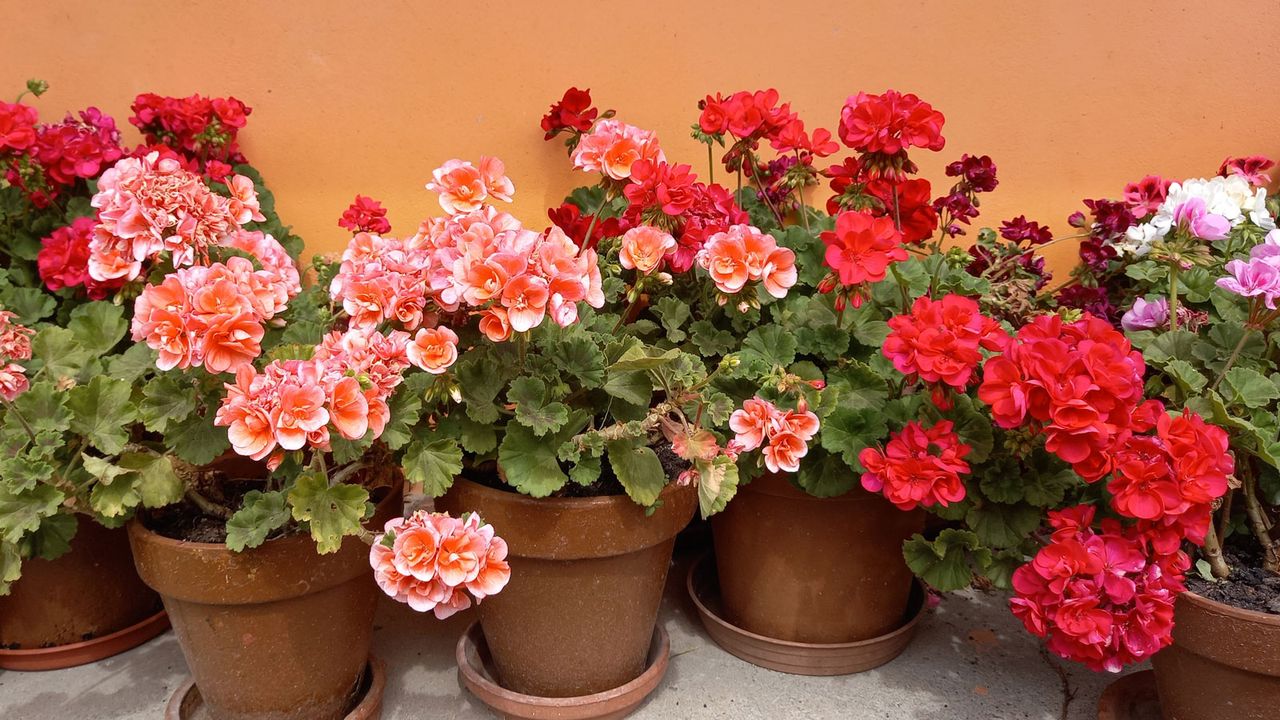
(802, 569)
(587, 577)
(277, 632)
(83, 606)
(1224, 663)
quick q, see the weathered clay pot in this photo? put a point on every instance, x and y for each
(84, 596)
(1224, 663)
(813, 570)
(277, 632)
(587, 576)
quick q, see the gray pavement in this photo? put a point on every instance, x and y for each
(971, 660)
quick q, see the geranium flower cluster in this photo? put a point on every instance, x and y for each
(859, 252)
(201, 128)
(670, 197)
(572, 113)
(1205, 209)
(785, 434)
(941, 342)
(464, 187)
(431, 561)
(47, 159)
(213, 316)
(975, 175)
(63, 260)
(883, 127)
(151, 204)
(1257, 277)
(292, 404)
(365, 215)
(15, 345)
(919, 466)
(742, 255)
(1079, 383)
(613, 147)
(1102, 598)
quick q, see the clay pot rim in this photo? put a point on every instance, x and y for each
(583, 503)
(775, 485)
(707, 614)
(1231, 611)
(86, 651)
(1112, 702)
(631, 693)
(369, 707)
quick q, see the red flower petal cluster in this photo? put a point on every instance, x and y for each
(941, 341)
(1105, 598)
(890, 123)
(746, 114)
(860, 250)
(1079, 383)
(919, 466)
(569, 218)
(63, 260)
(17, 126)
(909, 203)
(572, 113)
(1253, 168)
(1145, 196)
(365, 215)
(659, 184)
(201, 127)
(670, 197)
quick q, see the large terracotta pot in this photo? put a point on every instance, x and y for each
(813, 570)
(1224, 663)
(587, 576)
(277, 632)
(89, 592)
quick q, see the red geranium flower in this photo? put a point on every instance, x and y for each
(17, 126)
(941, 341)
(890, 123)
(862, 247)
(365, 215)
(919, 466)
(63, 261)
(573, 112)
(914, 210)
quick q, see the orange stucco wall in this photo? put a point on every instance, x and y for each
(1071, 99)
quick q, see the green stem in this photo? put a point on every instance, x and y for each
(1231, 360)
(711, 165)
(1213, 554)
(1260, 525)
(1173, 297)
(31, 433)
(595, 217)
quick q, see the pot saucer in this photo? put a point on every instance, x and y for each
(476, 673)
(795, 657)
(1132, 697)
(81, 653)
(186, 703)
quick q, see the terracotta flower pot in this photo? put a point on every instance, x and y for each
(1224, 663)
(277, 632)
(587, 576)
(84, 606)
(813, 570)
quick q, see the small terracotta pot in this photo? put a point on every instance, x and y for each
(1224, 663)
(813, 570)
(587, 576)
(277, 632)
(80, 602)
(1132, 697)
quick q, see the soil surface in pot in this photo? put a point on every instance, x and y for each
(1249, 587)
(607, 484)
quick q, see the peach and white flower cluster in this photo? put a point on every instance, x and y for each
(212, 316)
(15, 344)
(743, 254)
(292, 404)
(464, 187)
(613, 147)
(431, 561)
(148, 205)
(644, 248)
(484, 260)
(785, 434)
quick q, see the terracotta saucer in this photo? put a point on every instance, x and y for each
(476, 673)
(795, 657)
(1132, 697)
(81, 653)
(186, 703)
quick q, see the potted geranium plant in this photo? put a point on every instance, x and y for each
(792, 302)
(1189, 271)
(73, 593)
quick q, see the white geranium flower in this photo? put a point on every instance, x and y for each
(1138, 238)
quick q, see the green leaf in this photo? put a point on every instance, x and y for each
(1002, 526)
(102, 412)
(25, 471)
(944, 563)
(1250, 388)
(529, 463)
(58, 353)
(1173, 345)
(101, 469)
(586, 470)
(532, 409)
(405, 407)
(633, 387)
(259, 516)
(52, 539)
(476, 438)
(711, 341)
(578, 358)
(22, 512)
(673, 313)
(973, 427)
(638, 469)
(432, 465)
(10, 566)
(332, 513)
(845, 432)
(31, 305)
(132, 364)
(165, 400)
(856, 387)
(828, 477)
(98, 326)
(768, 347)
(157, 483)
(639, 357)
(196, 440)
(1189, 380)
(480, 379)
(717, 484)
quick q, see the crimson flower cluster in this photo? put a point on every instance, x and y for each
(45, 160)
(919, 466)
(365, 215)
(63, 261)
(669, 196)
(573, 114)
(196, 126)
(976, 175)
(860, 250)
(941, 342)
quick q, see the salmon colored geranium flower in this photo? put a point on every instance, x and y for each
(525, 299)
(416, 548)
(349, 408)
(494, 324)
(644, 247)
(433, 349)
(460, 185)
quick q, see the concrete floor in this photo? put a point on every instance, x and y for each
(971, 660)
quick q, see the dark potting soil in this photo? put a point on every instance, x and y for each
(186, 521)
(1249, 587)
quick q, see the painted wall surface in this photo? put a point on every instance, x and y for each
(1071, 99)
